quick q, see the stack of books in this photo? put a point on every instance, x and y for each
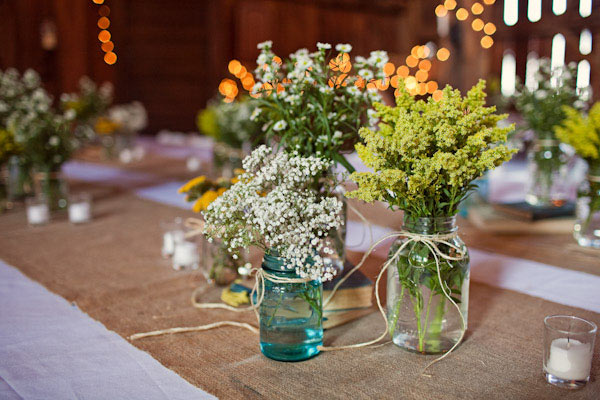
(521, 217)
(352, 300)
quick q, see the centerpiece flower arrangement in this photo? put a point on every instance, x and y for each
(18, 93)
(219, 264)
(313, 104)
(47, 142)
(88, 105)
(542, 110)
(118, 129)
(43, 134)
(583, 134)
(276, 207)
(424, 158)
(229, 124)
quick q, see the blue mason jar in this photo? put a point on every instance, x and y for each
(291, 314)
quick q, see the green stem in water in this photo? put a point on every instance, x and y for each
(396, 313)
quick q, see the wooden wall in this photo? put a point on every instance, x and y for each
(173, 54)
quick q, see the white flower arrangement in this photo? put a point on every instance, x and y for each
(276, 206)
(131, 118)
(311, 96)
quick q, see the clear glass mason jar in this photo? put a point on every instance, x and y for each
(337, 237)
(587, 211)
(421, 318)
(54, 187)
(291, 315)
(549, 172)
(20, 182)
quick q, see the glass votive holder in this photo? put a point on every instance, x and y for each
(186, 255)
(38, 212)
(568, 350)
(80, 208)
(173, 231)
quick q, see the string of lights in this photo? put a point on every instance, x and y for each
(104, 36)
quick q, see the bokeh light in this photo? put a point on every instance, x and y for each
(110, 58)
(477, 24)
(103, 22)
(443, 54)
(489, 28)
(462, 14)
(107, 46)
(450, 4)
(477, 8)
(104, 36)
(487, 42)
(403, 71)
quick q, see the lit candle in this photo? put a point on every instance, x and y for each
(38, 214)
(186, 256)
(170, 238)
(80, 212)
(569, 359)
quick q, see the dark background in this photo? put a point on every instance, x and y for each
(173, 54)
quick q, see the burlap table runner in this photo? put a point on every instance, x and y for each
(112, 269)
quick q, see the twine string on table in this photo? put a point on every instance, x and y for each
(432, 243)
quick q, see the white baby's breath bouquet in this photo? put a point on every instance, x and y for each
(275, 205)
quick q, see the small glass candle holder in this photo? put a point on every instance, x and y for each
(38, 211)
(80, 208)
(186, 255)
(568, 350)
(173, 232)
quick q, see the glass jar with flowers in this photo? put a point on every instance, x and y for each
(313, 104)
(219, 266)
(20, 94)
(425, 156)
(583, 134)
(234, 133)
(540, 102)
(47, 142)
(275, 207)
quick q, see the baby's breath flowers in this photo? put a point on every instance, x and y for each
(426, 153)
(276, 207)
(312, 103)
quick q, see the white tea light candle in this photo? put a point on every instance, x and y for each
(568, 350)
(186, 256)
(170, 238)
(38, 214)
(569, 359)
(79, 212)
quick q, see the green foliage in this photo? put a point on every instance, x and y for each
(47, 140)
(542, 107)
(426, 153)
(230, 123)
(581, 132)
(89, 103)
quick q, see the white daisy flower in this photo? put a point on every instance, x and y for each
(343, 47)
(280, 125)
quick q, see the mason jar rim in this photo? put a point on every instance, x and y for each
(592, 325)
